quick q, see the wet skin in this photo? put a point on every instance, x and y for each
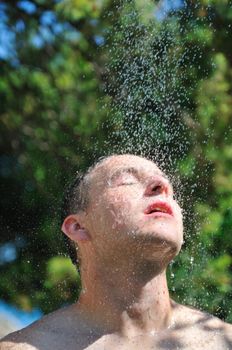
(65, 329)
(130, 231)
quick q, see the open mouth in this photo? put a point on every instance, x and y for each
(159, 208)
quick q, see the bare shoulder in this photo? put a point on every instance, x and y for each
(10, 342)
(202, 317)
(204, 326)
(47, 333)
(20, 340)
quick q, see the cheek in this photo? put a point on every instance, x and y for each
(119, 210)
(109, 213)
(123, 208)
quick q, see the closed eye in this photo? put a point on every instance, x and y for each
(127, 183)
(130, 181)
(125, 180)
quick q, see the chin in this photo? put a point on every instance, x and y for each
(166, 244)
(161, 240)
(162, 254)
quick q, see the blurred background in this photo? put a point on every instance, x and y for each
(83, 78)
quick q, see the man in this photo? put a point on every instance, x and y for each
(128, 227)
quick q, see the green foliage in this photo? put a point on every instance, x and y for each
(75, 10)
(52, 98)
(208, 281)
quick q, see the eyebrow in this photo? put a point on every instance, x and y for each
(128, 170)
(134, 171)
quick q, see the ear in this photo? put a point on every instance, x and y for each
(73, 229)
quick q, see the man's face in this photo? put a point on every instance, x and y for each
(131, 202)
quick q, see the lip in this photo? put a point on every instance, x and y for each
(163, 209)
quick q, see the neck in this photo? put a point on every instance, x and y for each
(132, 299)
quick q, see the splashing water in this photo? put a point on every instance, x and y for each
(146, 86)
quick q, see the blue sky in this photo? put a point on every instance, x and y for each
(167, 6)
(18, 317)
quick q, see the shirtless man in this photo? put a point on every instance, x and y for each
(128, 227)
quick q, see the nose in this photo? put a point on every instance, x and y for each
(158, 185)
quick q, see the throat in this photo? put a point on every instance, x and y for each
(131, 307)
(151, 312)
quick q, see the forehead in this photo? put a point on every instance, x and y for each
(114, 163)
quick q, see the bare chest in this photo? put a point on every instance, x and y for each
(188, 340)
